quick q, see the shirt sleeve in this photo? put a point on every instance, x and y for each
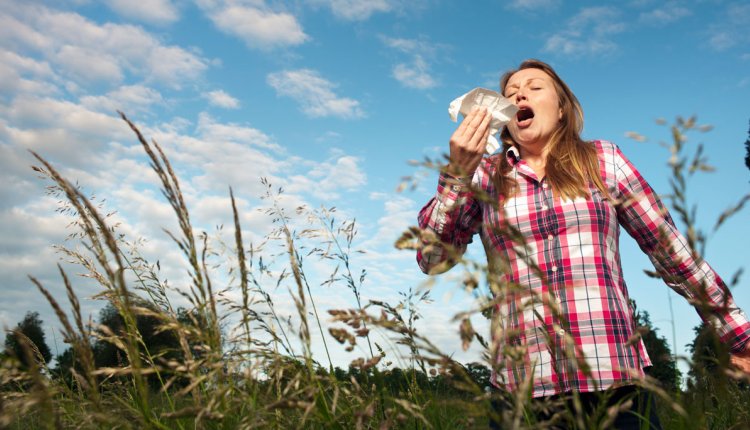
(645, 218)
(448, 222)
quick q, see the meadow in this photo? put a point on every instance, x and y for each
(219, 363)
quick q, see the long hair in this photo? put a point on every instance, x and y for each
(571, 162)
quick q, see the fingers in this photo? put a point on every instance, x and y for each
(475, 122)
(469, 140)
(461, 130)
(479, 139)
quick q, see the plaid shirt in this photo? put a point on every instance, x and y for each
(583, 316)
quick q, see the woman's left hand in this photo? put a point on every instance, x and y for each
(742, 360)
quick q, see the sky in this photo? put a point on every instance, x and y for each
(331, 99)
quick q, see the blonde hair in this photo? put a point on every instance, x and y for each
(571, 162)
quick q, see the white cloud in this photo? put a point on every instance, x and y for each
(20, 74)
(399, 212)
(419, 46)
(63, 131)
(666, 14)
(129, 99)
(356, 10)
(534, 5)
(87, 52)
(314, 93)
(26, 64)
(151, 11)
(416, 72)
(326, 179)
(210, 130)
(174, 64)
(731, 29)
(587, 33)
(221, 99)
(328, 136)
(415, 75)
(721, 40)
(89, 64)
(257, 26)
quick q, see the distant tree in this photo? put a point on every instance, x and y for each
(31, 328)
(340, 374)
(479, 373)
(106, 354)
(64, 364)
(158, 342)
(712, 396)
(709, 357)
(664, 367)
(747, 149)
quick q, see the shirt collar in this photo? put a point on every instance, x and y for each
(513, 155)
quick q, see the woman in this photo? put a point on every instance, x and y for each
(548, 208)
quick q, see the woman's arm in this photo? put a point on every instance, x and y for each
(646, 219)
(451, 218)
(448, 222)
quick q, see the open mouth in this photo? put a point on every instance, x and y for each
(524, 116)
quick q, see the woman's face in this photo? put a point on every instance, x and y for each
(539, 114)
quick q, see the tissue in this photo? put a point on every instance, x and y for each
(502, 111)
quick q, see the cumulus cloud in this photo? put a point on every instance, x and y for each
(66, 131)
(314, 93)
(355, 10)
(128, 98)
(414, 73)
(89, 64)
(214, 131)
(21, 74)
(326, 179)
(221, 99)
(151, 11)
(587, 33)
(87, 52)
(255, 24)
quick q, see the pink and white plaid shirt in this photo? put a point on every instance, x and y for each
(575, 246)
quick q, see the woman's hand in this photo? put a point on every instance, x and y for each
(742, 359)
(468, 142)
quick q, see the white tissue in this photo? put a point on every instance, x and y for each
(502, 111)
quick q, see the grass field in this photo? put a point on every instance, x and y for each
(261, 372)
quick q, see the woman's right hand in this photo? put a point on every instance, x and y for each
(468, 142)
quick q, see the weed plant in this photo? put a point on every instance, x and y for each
(244, 364)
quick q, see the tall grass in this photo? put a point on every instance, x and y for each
(244, 364)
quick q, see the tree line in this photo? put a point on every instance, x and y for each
(27, 342)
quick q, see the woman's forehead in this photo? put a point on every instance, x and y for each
(525, 75)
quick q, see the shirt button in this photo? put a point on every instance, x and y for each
(561, 332)
(554, 268)
(544, 207)
(550, 237)
(544, 185)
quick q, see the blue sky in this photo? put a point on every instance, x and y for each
(330, 99)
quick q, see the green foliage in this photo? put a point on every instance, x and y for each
(27, 341)
(664, 367)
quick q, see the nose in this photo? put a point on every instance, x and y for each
(520, 95)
